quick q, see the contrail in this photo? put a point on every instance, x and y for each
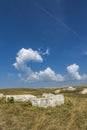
(56, 18)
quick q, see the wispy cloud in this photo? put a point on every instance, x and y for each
(56, 19)
(85, 53)
(46, 52)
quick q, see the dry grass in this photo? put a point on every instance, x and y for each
(22, 116)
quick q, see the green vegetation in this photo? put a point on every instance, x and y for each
(10, 100)
(23, 116)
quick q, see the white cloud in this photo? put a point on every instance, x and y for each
(49, 74)
(46, 75)
(47, 52)
(26, 55)
(73, 71)
(26, 73)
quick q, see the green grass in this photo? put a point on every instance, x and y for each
(23, 116)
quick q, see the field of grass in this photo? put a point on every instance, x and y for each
(22, 116)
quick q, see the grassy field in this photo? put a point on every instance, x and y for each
(22, 116)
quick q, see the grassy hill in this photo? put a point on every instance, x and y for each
(22, 116)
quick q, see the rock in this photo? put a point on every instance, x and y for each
(71, 88)
(57, 91)
(1, 95)
(84, 91)
(47, 95)
(48, 101)
(56, 100)
(18, 98)
(40, 102)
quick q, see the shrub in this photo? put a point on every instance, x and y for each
(10, 100)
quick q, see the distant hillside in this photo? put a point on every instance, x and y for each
(23, 116)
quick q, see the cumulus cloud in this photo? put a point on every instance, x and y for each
(49, 74)
(26, 55)
(73, 71)
(46, 75)
(27, 74)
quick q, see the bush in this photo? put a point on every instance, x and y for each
(10, 100)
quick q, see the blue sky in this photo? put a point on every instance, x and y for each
(43, 43)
